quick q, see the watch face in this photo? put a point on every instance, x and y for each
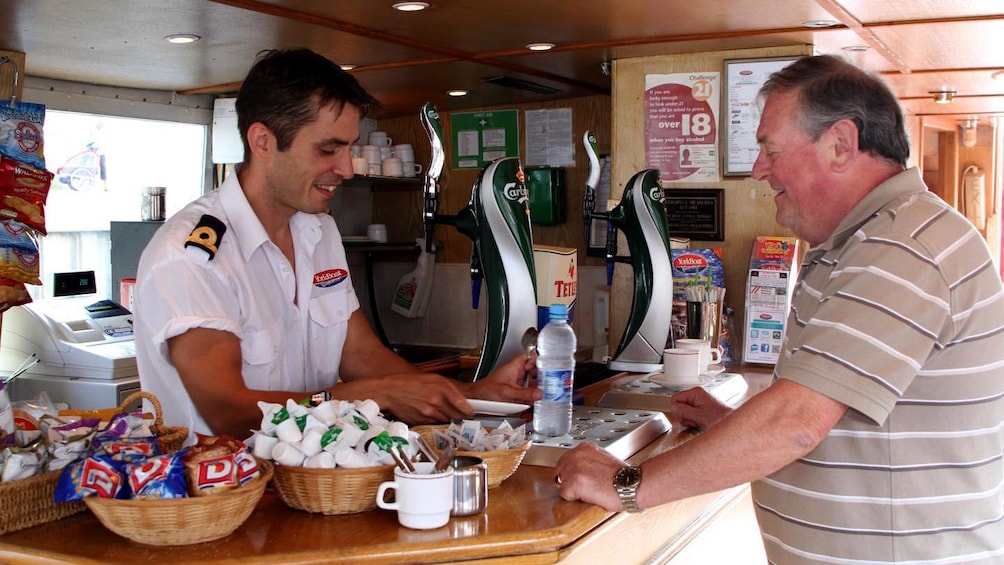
(628, 476)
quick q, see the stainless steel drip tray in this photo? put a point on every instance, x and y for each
(622, 432)
(643, 394)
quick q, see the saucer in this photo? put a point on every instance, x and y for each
(676, 381)
(713, 370)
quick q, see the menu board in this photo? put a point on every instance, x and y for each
(743, 79)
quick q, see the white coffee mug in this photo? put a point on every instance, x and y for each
(376, 168)
(681, 365)
(392, 167)
(379, 138)
(423, 499)
(372, 154)
(411, 168)
(377, 232)
(404, 151)
(709, 355)
(360, 165)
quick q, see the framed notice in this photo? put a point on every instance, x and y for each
(743, 79)
(696, 213)
(681, 126)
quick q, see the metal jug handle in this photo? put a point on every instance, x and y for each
(5, 60)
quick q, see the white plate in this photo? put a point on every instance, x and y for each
(493, 408)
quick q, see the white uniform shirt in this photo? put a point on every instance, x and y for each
(248, 288)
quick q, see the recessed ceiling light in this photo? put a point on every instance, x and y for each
(457, 92)
(820, 23)
(410, 6)
(997, 75)
(347, 67)
(856, 48)
(539, 46)
(182, 38)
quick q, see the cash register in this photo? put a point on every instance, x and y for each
(84, 343)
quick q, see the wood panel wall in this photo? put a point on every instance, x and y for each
(401, 211)
(749, 206)
(7, 74)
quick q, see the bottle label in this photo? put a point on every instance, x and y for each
(557, 385)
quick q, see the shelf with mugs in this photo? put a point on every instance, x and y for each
(384, 183)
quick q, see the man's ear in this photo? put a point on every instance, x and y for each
(260, 139)
(843, 143)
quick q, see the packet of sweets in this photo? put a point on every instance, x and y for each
(21, 134)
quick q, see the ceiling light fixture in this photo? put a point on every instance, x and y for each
(346, 67)
(180, 38)
(819, 23)
(410, 6)
(457, 92)
(943, 96)
(540, 46)
(856, 48)
(997, 75)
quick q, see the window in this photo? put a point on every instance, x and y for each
(101, 164)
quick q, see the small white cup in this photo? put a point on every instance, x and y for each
(377, 232)
(360, 165)
(709, 355)
(380, 139)
(423, 500)
(411, 168)
(356, 151)
(371, 153)
(376, 168)
(681, 366)
(404, 151)
(392, 167)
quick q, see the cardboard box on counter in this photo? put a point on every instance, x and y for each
(557, 279)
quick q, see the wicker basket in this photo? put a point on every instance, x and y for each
(502, 463)
(181, 521)
(29, 502)
(330, 491)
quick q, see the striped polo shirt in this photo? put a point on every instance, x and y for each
(899, 316)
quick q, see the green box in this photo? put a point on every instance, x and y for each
(546, 186)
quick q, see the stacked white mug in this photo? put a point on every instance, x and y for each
(406, 154)
(372, 154)
(380, 139)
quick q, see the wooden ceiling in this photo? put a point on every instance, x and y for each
(407, 59)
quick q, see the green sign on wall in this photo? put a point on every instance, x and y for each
(481, 137)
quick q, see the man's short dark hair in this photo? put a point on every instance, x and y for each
(286, 87)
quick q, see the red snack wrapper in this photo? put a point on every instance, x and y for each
(23, 192)
(12, 293)
(127, 449)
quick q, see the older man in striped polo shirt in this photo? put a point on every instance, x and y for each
(881, 439)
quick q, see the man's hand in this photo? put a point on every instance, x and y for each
(586, 473)
(505, 384)
(695, 408)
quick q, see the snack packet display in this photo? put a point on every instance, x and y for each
(471, 435)
(21, 132)
(18, 253)
(23, 192)
(12, 293)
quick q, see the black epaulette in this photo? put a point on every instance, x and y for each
(206, 237)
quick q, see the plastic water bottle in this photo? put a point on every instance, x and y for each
(552, 414)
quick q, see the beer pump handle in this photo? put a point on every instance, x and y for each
(429, 117)
(589, 202)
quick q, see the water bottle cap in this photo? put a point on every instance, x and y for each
(558, 311)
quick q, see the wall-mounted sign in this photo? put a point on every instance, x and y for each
(697, 213)
(743, 79)
(481, 137)
(681, 126)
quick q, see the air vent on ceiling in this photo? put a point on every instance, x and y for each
(520, 84)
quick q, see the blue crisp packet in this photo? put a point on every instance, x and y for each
(98, 475)
(21, 132)
(162, 476)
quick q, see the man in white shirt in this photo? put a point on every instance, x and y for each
(245, 296)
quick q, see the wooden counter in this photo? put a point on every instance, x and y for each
(526, 522)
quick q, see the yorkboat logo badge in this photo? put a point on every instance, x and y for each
(331, 277)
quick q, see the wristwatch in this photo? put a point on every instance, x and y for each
(626, 482)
